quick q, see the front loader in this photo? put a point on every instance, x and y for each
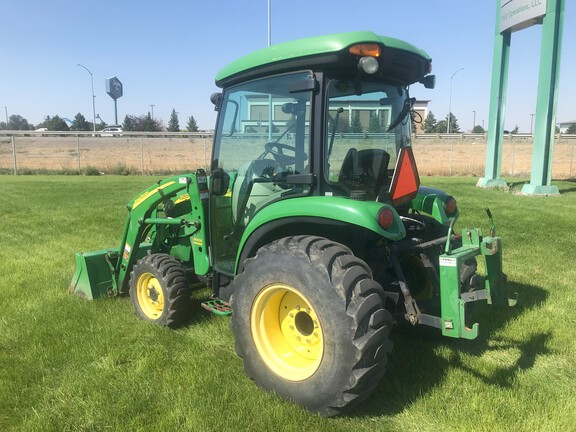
(312, 228)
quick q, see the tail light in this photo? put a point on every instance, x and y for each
(385, 217)
(450, 205)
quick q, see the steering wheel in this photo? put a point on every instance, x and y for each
(277, 150)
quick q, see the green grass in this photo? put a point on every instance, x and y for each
(68, 364)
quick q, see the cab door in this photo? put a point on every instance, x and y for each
(261, 144)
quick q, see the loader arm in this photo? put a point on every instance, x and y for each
(106, 272)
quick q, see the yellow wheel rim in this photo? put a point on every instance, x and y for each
(150, 296)
(287, 332)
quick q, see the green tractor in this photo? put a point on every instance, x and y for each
(312, 226)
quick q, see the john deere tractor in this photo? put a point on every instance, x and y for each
(311, 228)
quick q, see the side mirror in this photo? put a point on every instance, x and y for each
(219, 182)
(429, 81)
(216, 99)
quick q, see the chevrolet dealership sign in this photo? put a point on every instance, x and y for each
(518, 14)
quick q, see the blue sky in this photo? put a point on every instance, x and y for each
(168, 53)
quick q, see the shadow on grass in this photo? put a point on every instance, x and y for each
(422, 356)
(516, 187)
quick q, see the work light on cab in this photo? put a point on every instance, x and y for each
(369, 65)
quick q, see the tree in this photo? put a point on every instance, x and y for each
(16, 122)
(441, 127)
(80, 123)
(515, 130)
(148, 124)
(128, 125)
(143, 123)
(55, 123)
(478, 129)
(374, 125)
(173, 125)
(192, 126)
(571, 129)
(356, 126)
(454, 128)
(429, 125)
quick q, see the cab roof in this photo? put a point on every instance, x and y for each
(324, 52)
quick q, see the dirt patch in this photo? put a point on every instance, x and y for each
(455, 156)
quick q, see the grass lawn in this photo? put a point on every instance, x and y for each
(69, 364)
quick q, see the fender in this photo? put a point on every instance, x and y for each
(324, 209)
(433, 202)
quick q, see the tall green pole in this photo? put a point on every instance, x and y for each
(500, 65)
(546, 102)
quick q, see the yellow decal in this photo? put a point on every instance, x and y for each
(148, 194)
(197, 241)
(182, 198)
(228, 194)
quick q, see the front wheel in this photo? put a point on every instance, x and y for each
(160, 291)
(309, 323)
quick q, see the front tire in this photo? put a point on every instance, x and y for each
(160, 291)
(309, 323)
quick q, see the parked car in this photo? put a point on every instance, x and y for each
(112, 131)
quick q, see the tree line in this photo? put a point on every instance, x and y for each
(131, 123)
(145, 123)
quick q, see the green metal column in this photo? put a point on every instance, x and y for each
(500, 65)
(544, 128)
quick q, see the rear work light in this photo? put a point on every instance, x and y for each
(385, 217)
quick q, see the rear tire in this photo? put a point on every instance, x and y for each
(310, 325)
(160, 291)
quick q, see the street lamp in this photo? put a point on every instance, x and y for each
(474, 121)
(93, 97)
(450, 100)
(152, 111)
(531, 122)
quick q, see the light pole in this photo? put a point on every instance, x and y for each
(531, 122)
(269, 23)
(93, 97)
(450, 101)
(270, 108)
(152, 111)
(474, 121)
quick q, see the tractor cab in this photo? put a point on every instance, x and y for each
(332, 126)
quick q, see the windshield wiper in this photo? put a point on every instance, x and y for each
(408, 104)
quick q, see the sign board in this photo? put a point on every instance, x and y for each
(519, 14)
(114, 88)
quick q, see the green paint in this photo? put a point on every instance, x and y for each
(309, 47)
(500, 66)
(546, 102)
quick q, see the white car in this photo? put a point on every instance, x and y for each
(112, 131)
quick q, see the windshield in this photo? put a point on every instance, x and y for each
(367, 124)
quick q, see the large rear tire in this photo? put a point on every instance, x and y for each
(160, 291)
(309, 323)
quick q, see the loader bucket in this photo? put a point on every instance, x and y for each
(95, 276)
